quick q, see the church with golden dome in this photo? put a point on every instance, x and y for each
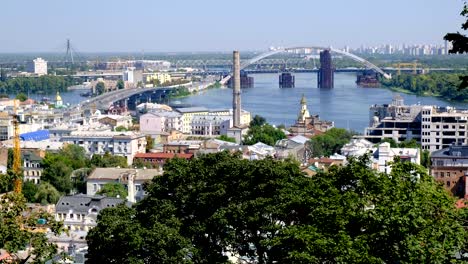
(308, 125)
(58, 101)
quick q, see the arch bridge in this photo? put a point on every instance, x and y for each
(365, 62)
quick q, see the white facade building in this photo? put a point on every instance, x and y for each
(38, 66)
(125, 144)
(442, 127)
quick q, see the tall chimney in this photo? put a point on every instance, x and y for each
(236, 100)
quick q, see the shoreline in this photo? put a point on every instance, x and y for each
(438, 96)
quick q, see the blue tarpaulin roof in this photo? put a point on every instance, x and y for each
(35, 136)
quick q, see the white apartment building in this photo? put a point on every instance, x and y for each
(125, 144)
(442, 127)
(38, 66)
(210, 125)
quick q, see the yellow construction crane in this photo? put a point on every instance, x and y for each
(16, 151)
(413, 65)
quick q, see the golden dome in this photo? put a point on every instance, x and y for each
(58, 97)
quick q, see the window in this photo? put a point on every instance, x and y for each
(448, 183)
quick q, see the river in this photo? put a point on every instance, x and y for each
(346, 104)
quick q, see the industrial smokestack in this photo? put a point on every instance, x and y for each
(236, 100)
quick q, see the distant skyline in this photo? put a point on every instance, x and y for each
(209, 25)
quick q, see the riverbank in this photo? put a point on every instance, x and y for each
(425, 94)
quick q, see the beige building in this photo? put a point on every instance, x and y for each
(100, 176)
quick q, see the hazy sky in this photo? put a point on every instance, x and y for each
(218, 25)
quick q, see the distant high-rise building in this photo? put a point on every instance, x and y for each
(325, 74)
(446, 47)
(38, 66)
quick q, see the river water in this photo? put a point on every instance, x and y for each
(346, 104)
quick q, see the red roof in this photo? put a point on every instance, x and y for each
(163, 155)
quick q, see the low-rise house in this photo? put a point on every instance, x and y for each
(294, 147)
(100, 176)
(182, 146)
(382, 155)
(450, 167)
(32, 170)
(158, 159)
(79, 212)
(116, 121)
(385, 154)
(260, 151)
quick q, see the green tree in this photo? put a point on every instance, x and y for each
(113, 189)
(149, 143)
(22, 97)
(269, 212)
(330, 142)
(121, 129)
(266, 134)
(460, 43)
(17, 231)
(108, 161)
(29, 190)
(100, 88)
(120, 84)
(426, 159)
(56, 171)
(257, 121)
(46, 194)
(226, 138)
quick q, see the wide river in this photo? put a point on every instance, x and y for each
(346, 104)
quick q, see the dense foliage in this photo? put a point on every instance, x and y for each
(226, 138)
(436, 84)
(17, 230)
(47, 84)
(58, 167)
(261, 131)
(330, 142)
(460, 43)
(267, 211)
(113, 189)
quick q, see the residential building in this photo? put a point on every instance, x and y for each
(133, 76)
(442, 127)
(260, 151)
(187, 114)
(79, 212)
(182, 146)
(100, 176)
(160, 120)
(385, 154)
(160, 77)
(210, 125)
(125, 144)
(382, 155)
(38, 66)
(32, 169)
(294, 147)
(395, 121)
(116, 121)
(158, 159)
(450, 167)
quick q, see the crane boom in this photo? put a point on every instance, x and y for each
(16, 152)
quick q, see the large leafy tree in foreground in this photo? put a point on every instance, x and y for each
(18, 228)
(460, 43)
(267, 211)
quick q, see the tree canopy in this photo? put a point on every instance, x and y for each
(17, 227)
(261, 131)
(330, 142)
(267, 211)
(460, 43)
(113, 189)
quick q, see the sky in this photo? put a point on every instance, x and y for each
(218, 25)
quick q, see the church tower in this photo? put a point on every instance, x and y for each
(304, 113)
(58, 100)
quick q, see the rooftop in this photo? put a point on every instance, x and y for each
(84, 204)
(118, 173)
